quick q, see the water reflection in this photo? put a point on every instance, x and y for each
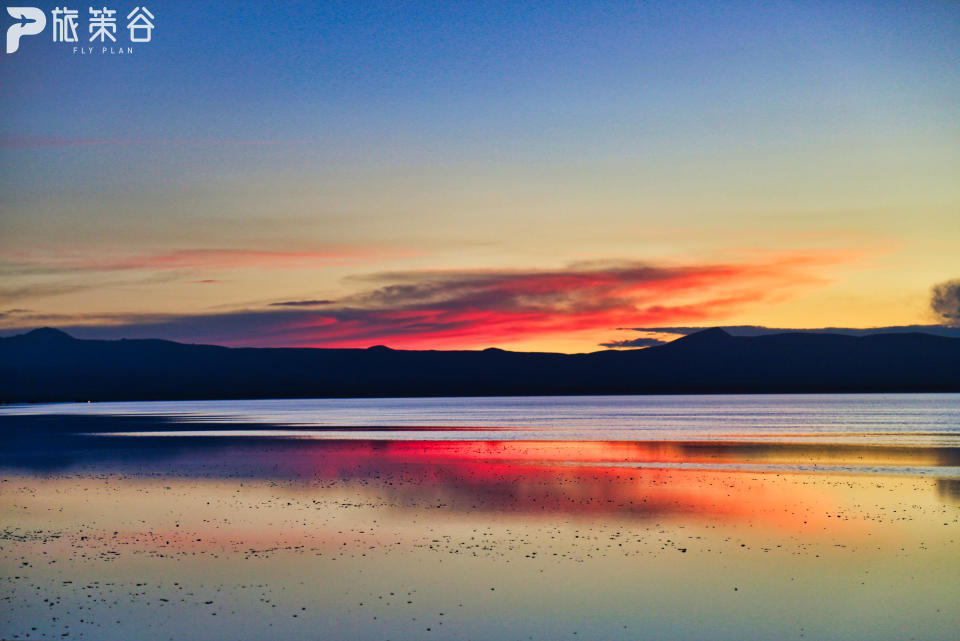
(626, 479)
(279, 537)
(53, 442)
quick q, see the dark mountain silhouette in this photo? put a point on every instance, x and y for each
(49, 365)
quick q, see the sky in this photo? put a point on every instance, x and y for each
(526, 175)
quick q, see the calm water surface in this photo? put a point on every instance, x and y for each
(697, 517)
(876, 418)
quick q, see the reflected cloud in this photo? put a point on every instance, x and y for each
(705, 481)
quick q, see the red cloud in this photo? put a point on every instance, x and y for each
(481, 308)
(472, 309)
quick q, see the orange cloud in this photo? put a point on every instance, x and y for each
(459, 309)
(479, 308)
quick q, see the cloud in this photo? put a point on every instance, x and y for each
(480, 308)
(945, 302)
(634, 343)
(10, 294)
(24, 262)
(302, 303)
(14, 312)
(760, 330)
(61, 287)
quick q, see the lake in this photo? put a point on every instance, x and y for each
(632, 517)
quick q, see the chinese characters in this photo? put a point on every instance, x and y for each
(104, 26)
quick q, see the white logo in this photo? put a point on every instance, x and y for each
(65, 24)
(32, 22)
(103, 24)
(141, 25)
(101, 28)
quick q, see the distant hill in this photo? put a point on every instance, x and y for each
(49, 365)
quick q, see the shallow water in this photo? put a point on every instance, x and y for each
(875, 418)
(754, 517)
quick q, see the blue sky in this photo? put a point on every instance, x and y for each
(511, 136)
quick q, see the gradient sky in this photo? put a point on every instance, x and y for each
(525, 175)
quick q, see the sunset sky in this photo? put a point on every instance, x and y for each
(537, 176)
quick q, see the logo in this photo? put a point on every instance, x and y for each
(101, 28)
(32, 22)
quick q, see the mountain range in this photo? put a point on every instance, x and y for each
(48, 365)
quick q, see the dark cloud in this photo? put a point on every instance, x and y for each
(634, 343)
(579, 288)
(239, 327)
(759, 330)
(14, 312)
(302, 303)
(945, 302)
